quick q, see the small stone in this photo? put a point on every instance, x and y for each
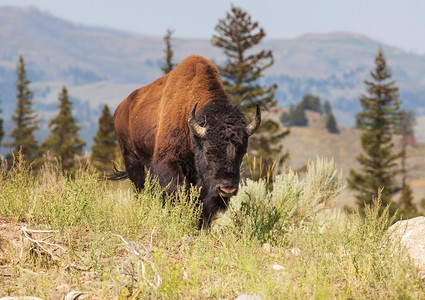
(266, 247)
(277, 267)
(74, 295)
(295, 251)
(64, 288)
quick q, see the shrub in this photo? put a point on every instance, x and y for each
(266, 214)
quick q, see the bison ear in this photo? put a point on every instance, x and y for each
(197, 129)
(250, 129)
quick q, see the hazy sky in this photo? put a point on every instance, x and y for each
(398, 23)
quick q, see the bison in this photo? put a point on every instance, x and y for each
(184, 129)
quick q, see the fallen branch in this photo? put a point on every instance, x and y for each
(41, 247)
(77, 267)
(153, 230)
(27, 232)
(36, 245)
(38, 231)
(131, 248)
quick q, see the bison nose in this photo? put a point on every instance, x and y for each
(227, 190)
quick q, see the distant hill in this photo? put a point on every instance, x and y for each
(101, 66)
(305, 144)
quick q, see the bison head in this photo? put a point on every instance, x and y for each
(220, 135)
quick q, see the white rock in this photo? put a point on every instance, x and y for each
(411, 234)
(277, 267)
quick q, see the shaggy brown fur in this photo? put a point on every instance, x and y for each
(151, 126)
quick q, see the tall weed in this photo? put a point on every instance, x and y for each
(146, 244)
(85, 200)
(16, 183)
(346, 256)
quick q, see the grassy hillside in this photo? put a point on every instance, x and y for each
(306, 143)
(59, 234)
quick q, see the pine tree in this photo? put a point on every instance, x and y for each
(236, 35)
(25, 118)
(407, 208)
(104, 149)
(331, 123)
(378, 120)
(285, 118)
(1, 127)
(327, 108)
(169, 65)
(63, 140)
(298, 117)
(311, 102)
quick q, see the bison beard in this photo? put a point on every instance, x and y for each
(158, 128)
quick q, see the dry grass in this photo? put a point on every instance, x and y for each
(61, 234)
(305, 144)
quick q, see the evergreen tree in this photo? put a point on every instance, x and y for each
(104, 149)
(407, 208)
(63, 140)
(237, 34)
(298, 117)
(25, 118)
(285, 118)
(378, 120)
(1, 127)
(407, 123)
(327, 108)
(169, 65)
(331, 123)
(311, 102)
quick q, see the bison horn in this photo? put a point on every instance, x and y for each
(250, 129)
(197, 129)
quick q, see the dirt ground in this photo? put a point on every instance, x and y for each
(30, 259)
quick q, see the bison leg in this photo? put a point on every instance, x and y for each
(169, 175)
(135, 168)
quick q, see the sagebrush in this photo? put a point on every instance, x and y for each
(119, 244)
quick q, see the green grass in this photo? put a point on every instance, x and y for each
(119, 245)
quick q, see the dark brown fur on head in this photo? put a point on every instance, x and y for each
(218, 155)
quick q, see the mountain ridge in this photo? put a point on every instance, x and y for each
(102, 65)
